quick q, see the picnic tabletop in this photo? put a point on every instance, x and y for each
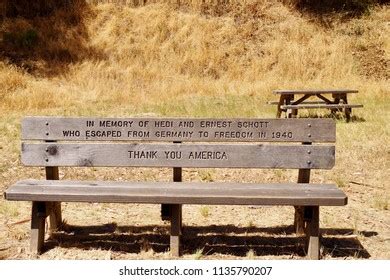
(314, 91)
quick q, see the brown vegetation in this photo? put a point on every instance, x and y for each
(207, 59)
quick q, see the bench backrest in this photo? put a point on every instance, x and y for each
(142, 142)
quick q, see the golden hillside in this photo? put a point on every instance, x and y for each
(115, 53)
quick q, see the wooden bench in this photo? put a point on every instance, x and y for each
(136, 142)
(338, 101)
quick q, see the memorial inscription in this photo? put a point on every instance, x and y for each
(173, 155)
(171, 129)
(178, 155)
(175, 130)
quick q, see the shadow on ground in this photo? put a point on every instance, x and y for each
(44, 37)
(350, 7)
(228, 240)
(338, 116)
(326, 11)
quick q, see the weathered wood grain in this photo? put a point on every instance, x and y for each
(315, 91)
(184, 155)
(38, 217)
(313, 233)
(304, 102)
(185, 129)
(299, 222)
(55, 214)
(176, 218)
(178, 193)
(321, 106)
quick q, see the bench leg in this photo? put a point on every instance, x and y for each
(313, 233)
(175, 229)
(53, 208)
(55, 216)
(166, 212)
(38, 217)
(299, 222)
(166, 209)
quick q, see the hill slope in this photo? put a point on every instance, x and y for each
(234, 47)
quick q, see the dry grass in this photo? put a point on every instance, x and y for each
(204, 211)
(245, 52)
(205, 59)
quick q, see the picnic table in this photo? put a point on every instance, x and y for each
(290, 101)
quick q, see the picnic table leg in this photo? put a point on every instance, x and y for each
(313, 233)
(288, 99)
(336, 100)
(279, 110)
(175, 229)
(294, 113)
(347, 111)
(38, 217)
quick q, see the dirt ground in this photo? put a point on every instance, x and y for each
(118, 231)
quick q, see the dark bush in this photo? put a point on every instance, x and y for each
(33, 8)
(26, 39)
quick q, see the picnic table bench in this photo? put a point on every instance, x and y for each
(337, 101)
(189, 143)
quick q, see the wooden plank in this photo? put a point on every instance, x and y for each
(315, 91)
(304, 102)
(171, 129)
(313, 234)
(55, 215)
(320, 96)
(321, 106)
(184, 155)
(178, 193)
(299, 222)
(38, 216)
(176, 219)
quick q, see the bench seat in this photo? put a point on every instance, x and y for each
(320, 106)
(304, 102)
(178, 193)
